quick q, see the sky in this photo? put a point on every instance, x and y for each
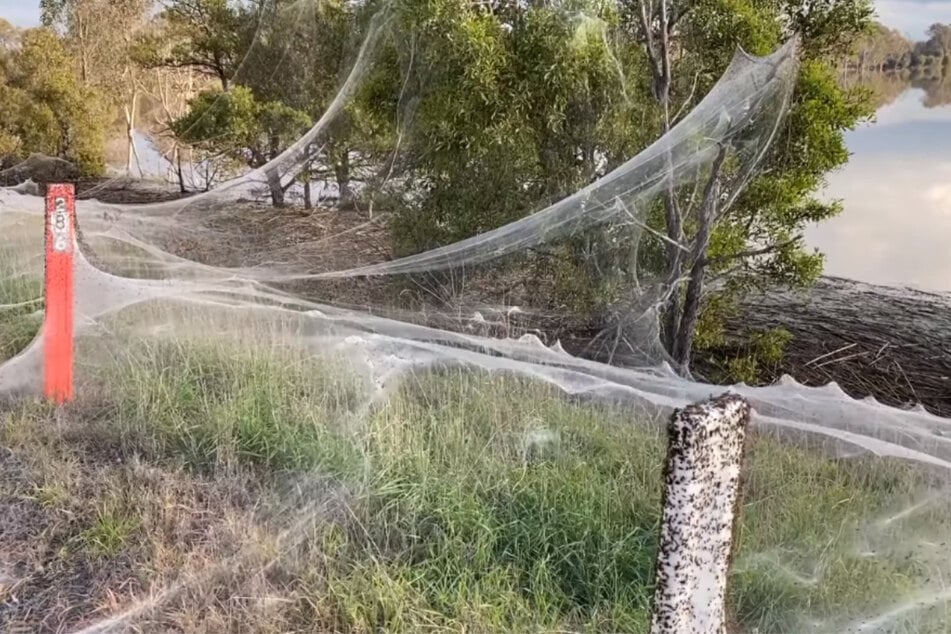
(20, 12)
(909, 16)
(912, 17)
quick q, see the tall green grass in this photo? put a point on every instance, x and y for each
(490, 503)
(487, 503)
(21, 306)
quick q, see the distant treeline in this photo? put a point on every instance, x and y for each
(885, 87)
(885, 49)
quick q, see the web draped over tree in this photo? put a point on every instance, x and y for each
(142, 297)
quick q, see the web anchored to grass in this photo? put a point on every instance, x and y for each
(269, 436)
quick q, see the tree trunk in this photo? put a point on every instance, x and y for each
(132, 150)
(683, 344)
(273, 176)
(274, 185)
(342, 175)
(659, 55)
(178, 170)
(308, 203)
(674, 271)
(83, 54)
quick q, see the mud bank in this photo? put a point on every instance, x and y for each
(890, 343)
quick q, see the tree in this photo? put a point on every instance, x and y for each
(940, 39)
(512, 107)
(103, 36)
(312, 43)
(881, 48)
(216, 38)
(759, 239)
(208, 36)
(170, 90)
(47, 109)
(519, 106)
(243, 130)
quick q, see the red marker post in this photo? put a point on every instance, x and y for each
(60, 293)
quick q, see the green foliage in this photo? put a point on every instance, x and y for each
(515, 108)
(884, 49)
(758, 244)
(828, 28)
(208, 36)
(237, 125)
(47, 110)
(777, 205)
(499, 113)
(99, 34)
(513, 111)
(510, 118)
(109, 533)
(242, 45)
(753, 361)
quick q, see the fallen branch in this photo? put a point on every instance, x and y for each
(829, 354)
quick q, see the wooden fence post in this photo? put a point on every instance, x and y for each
(59, 293)
(701, 496)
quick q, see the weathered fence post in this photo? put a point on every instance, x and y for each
(701, 495)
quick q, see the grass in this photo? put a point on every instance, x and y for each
(259, 485)
(21, 305)
(215, 486)
(109, 532)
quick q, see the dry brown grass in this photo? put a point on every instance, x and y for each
(88, 532)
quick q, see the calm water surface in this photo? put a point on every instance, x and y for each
(896, 190)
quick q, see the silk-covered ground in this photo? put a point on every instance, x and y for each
(209, 488)
(893, 344)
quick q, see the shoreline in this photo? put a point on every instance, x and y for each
(892, 343)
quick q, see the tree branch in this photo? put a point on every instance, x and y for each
(753, 252)
(678, 16)
(683, 343)
(649, 41)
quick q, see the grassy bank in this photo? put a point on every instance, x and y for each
(214, 488)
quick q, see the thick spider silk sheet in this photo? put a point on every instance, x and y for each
(133, 291)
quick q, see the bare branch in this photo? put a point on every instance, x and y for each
(678, 16)
(649, 41)
(689, 98)
(665, 60)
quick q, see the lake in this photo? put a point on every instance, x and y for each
(896, 189)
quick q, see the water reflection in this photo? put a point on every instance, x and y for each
(896, 190)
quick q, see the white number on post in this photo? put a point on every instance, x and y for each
(60, 226)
